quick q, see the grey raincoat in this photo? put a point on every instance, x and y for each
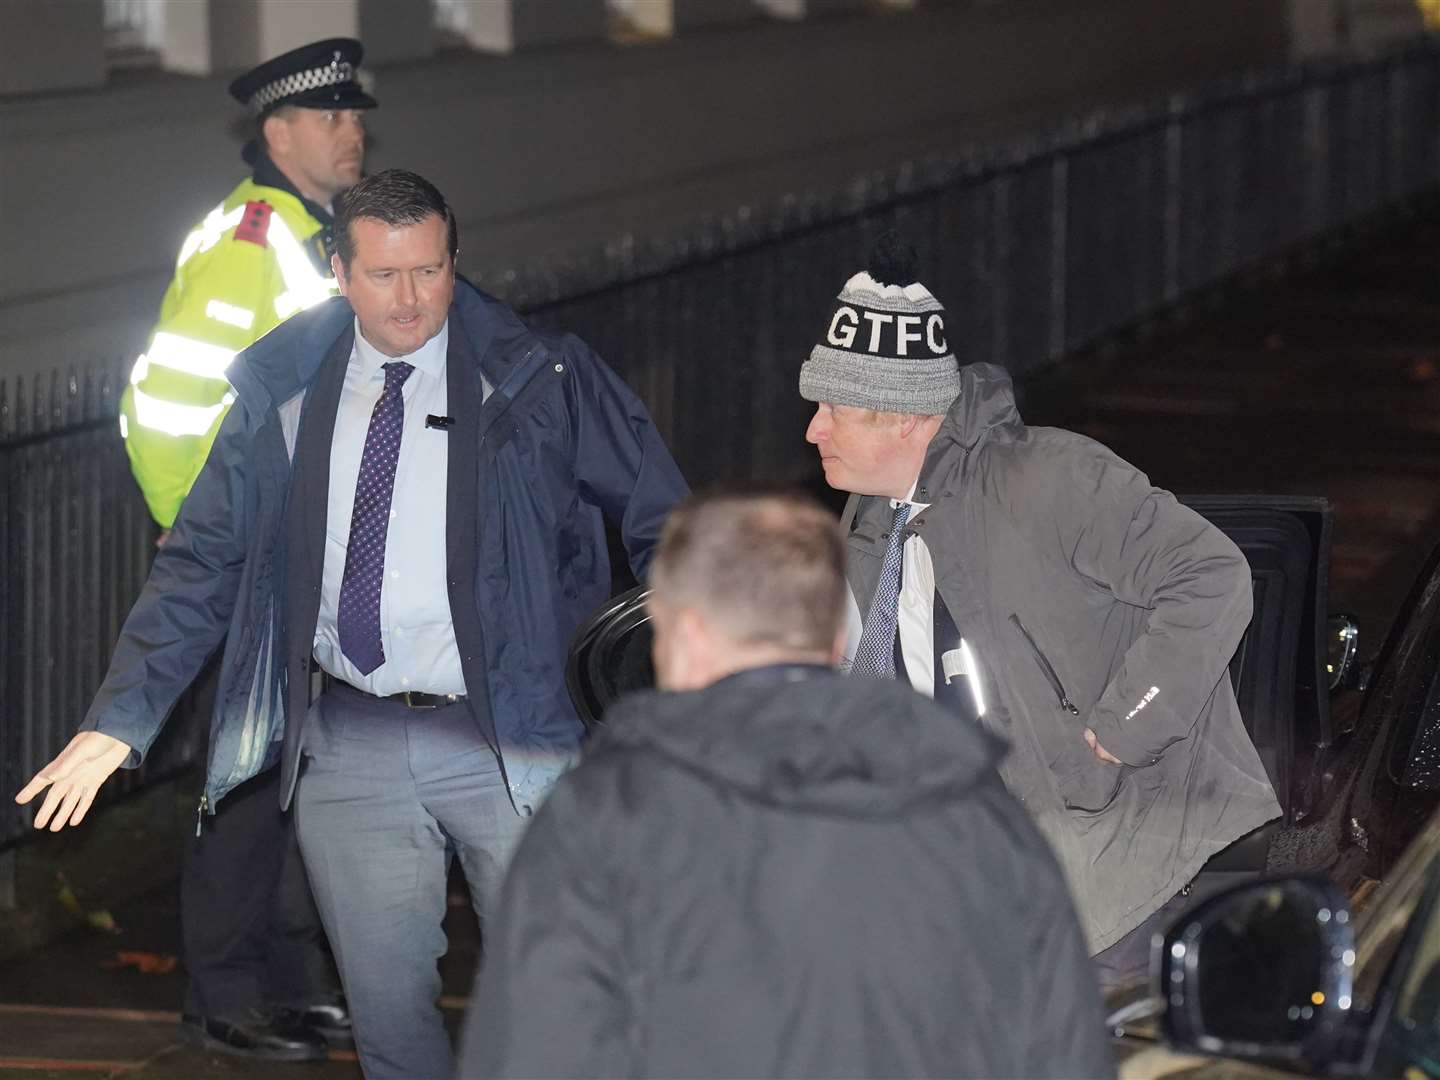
(1090, 599)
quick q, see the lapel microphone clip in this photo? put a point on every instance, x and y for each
(441, 423)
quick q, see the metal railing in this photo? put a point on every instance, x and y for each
(75, 546)
(1036, 246)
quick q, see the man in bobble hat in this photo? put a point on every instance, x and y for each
(261, 981)
(1046, 590)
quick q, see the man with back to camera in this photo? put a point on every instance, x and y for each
(261, 982)
(410, 489)
(1041, 587)
(768, 870)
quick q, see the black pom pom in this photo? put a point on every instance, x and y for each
(892, 261)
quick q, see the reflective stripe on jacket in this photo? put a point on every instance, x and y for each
(248, 266)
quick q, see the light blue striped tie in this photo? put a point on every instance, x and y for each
(875, 655)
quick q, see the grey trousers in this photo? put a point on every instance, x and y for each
(1128, 961)
(385, 791)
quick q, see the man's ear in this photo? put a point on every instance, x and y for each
(912, 424)
(275, 132)
(338, 269)
(694, 633)
(692, 651)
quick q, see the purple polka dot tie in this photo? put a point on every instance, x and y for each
(358, 621)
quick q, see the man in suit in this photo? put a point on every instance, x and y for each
(409, 494)
(261, 982)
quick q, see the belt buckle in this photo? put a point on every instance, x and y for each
(436, 700)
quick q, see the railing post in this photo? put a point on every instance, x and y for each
(1172, 214)
(1059, 252)
(1002, 264)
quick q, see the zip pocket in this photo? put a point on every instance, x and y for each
(1046, 669)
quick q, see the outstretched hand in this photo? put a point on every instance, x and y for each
(74, 778)
(1100, 752)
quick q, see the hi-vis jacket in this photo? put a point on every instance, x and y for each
(255, 260)
(1090, 598)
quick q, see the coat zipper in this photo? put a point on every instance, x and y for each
(1046, 669)
(200, 812)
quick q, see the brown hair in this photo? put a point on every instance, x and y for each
(767, 569)
(396, 197)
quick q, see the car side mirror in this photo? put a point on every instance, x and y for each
(1342, 636)
(1260, 972)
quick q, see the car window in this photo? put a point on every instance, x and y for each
(1423, 768)
(1411, 1040)
(1419, 1000)
(1382, 925)
(1410, 1043)
(1411, 690)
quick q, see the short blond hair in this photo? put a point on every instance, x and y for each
(766, 569)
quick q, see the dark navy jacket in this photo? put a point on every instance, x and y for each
(556, 440)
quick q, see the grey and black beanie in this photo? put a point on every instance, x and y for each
(884, 346)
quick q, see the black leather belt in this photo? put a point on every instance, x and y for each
(417, 699)
(411, 699)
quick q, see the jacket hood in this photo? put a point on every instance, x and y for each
(986, 402)
(815, 740)
(984, 409)
(286, 360)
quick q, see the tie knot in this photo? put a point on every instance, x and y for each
(396, 372)
(902, 517)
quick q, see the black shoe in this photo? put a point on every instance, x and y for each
(271, 1036)
(329, 1020)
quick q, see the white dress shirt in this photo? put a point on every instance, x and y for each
(416, 630)
(915, 618)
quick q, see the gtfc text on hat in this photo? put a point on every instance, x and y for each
(884, 346)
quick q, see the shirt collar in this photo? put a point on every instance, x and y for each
(429, 359)
(915, 507)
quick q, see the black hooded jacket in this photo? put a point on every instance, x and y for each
(788, 873)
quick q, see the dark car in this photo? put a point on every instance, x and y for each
(1355, 784)
(1280, 977)
(1314, 971)
(1283, 976)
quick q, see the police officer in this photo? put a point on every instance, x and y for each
(256, 259)
(261, 981)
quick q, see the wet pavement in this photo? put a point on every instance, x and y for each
(1324, 383)
(104, 1003)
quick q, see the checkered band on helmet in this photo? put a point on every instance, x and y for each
(332, 74)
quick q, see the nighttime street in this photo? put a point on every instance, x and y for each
(1190, 403)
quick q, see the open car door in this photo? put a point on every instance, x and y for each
(1279, 669)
